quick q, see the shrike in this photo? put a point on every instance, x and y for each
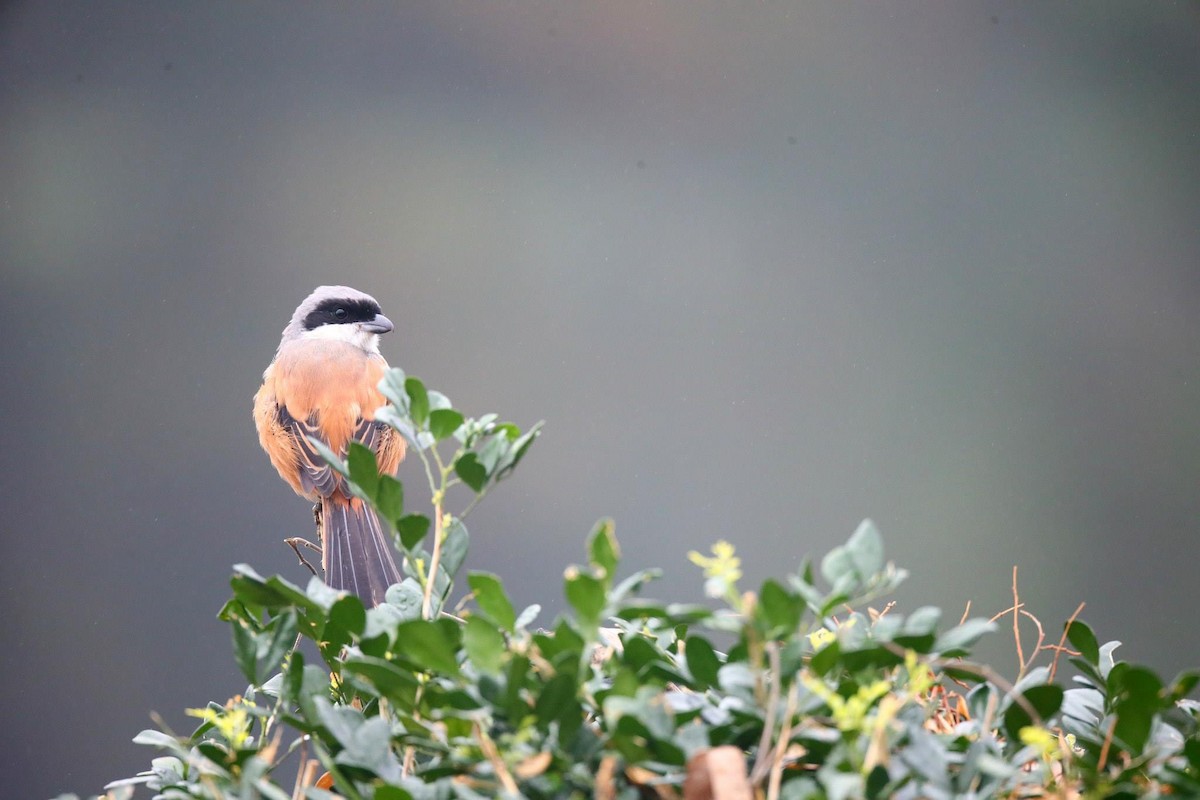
(322, 383)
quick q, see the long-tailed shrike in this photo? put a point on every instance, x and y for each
(322, 383)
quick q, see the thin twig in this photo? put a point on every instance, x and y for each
(966, 611)
(1017, 624)
(764, 742)
(296, 542)
(1063, 640)
(1108, 737)
(878, 615)
(1041, 638)
(304, 770)
(462, 603)
(1005, 612)
(434, 560)
(493, 756)
(987, 673)
(425, 464)
(475, 500)
(306, 774)
(785, 735)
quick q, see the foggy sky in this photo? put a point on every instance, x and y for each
(764, 270)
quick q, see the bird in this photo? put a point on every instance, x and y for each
(323, 383)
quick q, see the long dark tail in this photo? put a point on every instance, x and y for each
(357, 553)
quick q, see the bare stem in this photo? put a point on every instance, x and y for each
(492, 754)
(1017, 624)
(1063, 641)
(474, 501)
(434, 559)
(785, 735)
(762, 762)
(425, 463)
(296, 542)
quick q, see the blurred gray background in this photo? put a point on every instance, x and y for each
(764, 270)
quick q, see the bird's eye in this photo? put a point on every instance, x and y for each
(340, 313)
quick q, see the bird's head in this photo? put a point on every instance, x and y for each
(339, 313)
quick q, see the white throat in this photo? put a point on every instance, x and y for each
(351, 334)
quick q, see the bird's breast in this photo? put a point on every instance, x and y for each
(330, 385)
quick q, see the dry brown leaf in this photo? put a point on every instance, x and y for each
(640, 776)
(606, 785)
(533, 766)
(717, 774)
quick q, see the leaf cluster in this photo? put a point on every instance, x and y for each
(814, 693)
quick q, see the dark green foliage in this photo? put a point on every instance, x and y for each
(826, 697)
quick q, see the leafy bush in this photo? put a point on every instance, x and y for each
(797, 690)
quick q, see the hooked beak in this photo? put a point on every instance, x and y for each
(380, 324)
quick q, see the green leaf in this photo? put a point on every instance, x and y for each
(639, 652)
(877, 782)
(1107, 662)
(313, 685)
(564, 641)
(778, 609)
(427, 645)
(293, 678)
(402, 424)
(603, 550)
(1045, 699)
(159, 739)
(443, 422)
(922, 622)
(363, 469)
(555, 699)
(646, 707)
(455, 544)
(958, 640)
(702, 661)
(527, 615)
(484, 644)
(633, 584)
(1081, 636)
(837, 567)
(418, 401)
(348, 614)
(515, 704)
(1138, 694)
(491, 452)
(389, 499)
(824, 659)
(865, 549)
(272, 650)
(412, 529)
(391, 386)
(407, 597)
(491, 599)
(438, 401)
(586, 595)
(370, 748)
(245, 651)
(1183, 685)
(250, 587)
(391, 793)
(513, 457)
(470, 471)
(387, 678)
(294, 595)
